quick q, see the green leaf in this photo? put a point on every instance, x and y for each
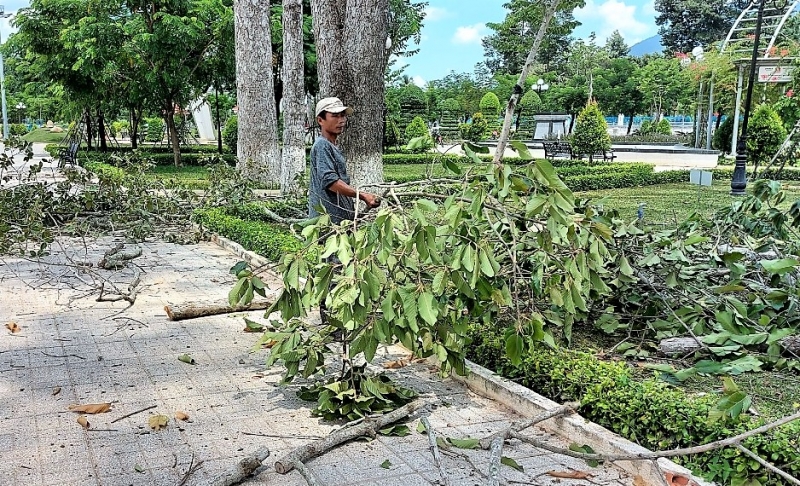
(521, 149)
(186, 359)
(252, 326)
(426, 205)
(426, 308)
(507, 461)
(514, 348)
(421, 428)
(486, 265)
(235, 294)
(779, 267)
(386, 464)
(468, 443)
(401, 430)
(439, 283)
(240, 265)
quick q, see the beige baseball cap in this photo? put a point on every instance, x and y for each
(332, 105)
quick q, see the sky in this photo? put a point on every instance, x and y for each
(453, 29)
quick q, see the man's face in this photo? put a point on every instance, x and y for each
(333, 122)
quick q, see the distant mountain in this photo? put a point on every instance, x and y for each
(651, 45)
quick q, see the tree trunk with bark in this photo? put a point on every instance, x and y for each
(89, 131)
(351, 58)
(258, 152)
(172, 133)
(294, 153)
(101, 129)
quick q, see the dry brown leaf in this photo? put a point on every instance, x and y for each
(56, 390)
(83, 421)
(158, 422)
(269, 344)
(569, 474)
(91, 408)
(393, 365)
(639, 481)
(13, 327)
(181, 416)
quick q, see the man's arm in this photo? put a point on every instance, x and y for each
(342, 188)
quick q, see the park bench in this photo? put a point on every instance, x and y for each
(556, 149)
(68, 154)
(605, 155)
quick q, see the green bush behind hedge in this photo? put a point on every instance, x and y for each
(649, 412)
(268, 240)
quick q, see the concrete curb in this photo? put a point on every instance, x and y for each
(528, 403)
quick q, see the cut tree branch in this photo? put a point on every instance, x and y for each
(369, 427)
(191, 310)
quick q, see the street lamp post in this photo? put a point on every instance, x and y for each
(540, 86)
(20, 110)
(3, 15)
(739, 181)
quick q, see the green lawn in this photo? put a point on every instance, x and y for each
(43, 135)
(190, 177)
(671, 203)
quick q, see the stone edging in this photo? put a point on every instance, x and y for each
(528, 403)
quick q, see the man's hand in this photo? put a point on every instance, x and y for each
(371, 200)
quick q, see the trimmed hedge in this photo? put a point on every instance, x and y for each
(649, 412)
(268, 240)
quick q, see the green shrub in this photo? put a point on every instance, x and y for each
(590, 134)
(268, 240)
(663, 127)
(723, 136)
(646, 128)
(230, 134)
(765, 134)
(121, 127)
(155, 129)
(648, 412)
(418, 128)
(17, 129)
(476, 129)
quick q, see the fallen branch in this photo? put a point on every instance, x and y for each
(779, 472)
(437, 458)
(564, 409)
(646, 456)
(369, 427)
(192, 468)
(311, 479)
(116, 258)
(494, 461)
(243, 469)
(191, 310)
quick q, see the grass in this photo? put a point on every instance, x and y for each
(44, 135)
(671, 203)
(189, 177)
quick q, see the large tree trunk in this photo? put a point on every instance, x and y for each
(172, 133)
(101, 129)
(294, 154)
(135, 119)
(258, 152)
(351, 58)
(89, 131)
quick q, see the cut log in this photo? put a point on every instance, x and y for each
(191, 310)
(791, 344)
(369, 427)
(243, 469)
(678, 346)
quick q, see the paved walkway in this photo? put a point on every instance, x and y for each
(71, 349)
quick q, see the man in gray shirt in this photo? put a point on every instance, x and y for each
(330, 185)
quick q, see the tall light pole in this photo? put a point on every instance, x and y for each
(739, 181)
(20, 109)
(3, 15)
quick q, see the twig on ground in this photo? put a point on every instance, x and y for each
(192, 468)
(437, 458)
(564, 409)
(134, 413)
(309, 476)
(62, 355)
